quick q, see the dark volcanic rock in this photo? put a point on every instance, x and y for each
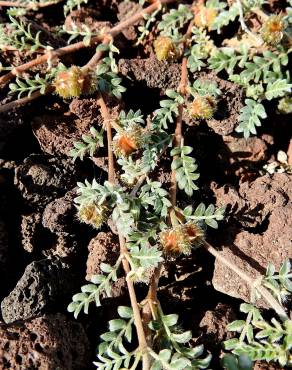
(214, 323)
(42, 178)
(44, 286)
(59, 215)
(3, 247)
(30, 230)
(50, 342)
(103, 248)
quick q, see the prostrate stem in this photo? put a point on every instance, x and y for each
(57, 53)
(123, 249)
(267, 296)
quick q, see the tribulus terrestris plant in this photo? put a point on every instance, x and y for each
(151, 225)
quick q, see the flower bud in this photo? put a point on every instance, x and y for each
(164, 48)
(272, 30)
(74, 82)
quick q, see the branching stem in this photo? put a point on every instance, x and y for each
(58, 53)
(123, 248)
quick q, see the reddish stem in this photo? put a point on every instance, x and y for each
(80, 45)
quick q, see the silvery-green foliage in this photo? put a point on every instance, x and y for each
(154, 143)
(109, 81)
(21, 36)
(169, 109)
(250, 4)
(153, 196)
(112, 353)
(142, 261)
(250, 117)
(72, 4)
(205, 87)
(125, 215)
(199, 52)
(88, 145)
(16, 12)
(233, 362)
(130, 118)
(226, 58)
(260, 339)
(224, 17)
(29, 5)
(94, 192)
(109, 60)
(288, 16)
(27, 86)
(278, 89)
(178, 354)
(78, 31)
(266, 68)
(174, 19)
(271, 342)
(132, 170)
(185, 166)
(205, 215)
(144, 29)
(101, 285)
(279, 283)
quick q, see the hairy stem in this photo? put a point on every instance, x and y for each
(107, 119)
(267, 296)
(58, 53)
(152, 292)
(123, 248)
(178, 128)
(244, 26)
(19, 102)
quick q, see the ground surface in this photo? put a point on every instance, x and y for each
(45, 253)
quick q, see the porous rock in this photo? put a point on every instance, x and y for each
(103, 248)
(153, 73)
(214, 324)
(263, 365)
(30, 230)
(57, 133)
(125, 10)
(42, 178)
(257, 243)
(64, 245)
(231, 101)
(49, 342)
(253, 202)
(253, 149)
(45, 286)
(59, 215)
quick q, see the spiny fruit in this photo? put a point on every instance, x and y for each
(285, 105)
(202, 107)
(181, 238)
(272, 30)
(92, 214)
(204, 17)
(128, 141)
(164, 48)
(74, 82)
